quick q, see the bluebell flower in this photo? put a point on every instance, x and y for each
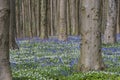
(54, 51)
(60, 60)
(43, 65)
(61, 50)
(108, 53)
(47, 64)
(115, 59)
(42, 59)
(50, 64)
(78, 47)
(118, 53)
(35, 59)
(104, 49)
(27, 60)
(18, 53)
(72, 62)
(63, 72)
(13, 64)
(112, 49)
(76, 60)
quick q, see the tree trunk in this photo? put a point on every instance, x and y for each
(48, 18)
(51, 10)
(90, 56)
(5, 72)
(77, 17)
(73, 16)
(118, 17)
(110, 28)
(44, 31)
(104, 14)
(12, 29)
(55, 17)
(63, 20)
(68, 18)
(58, 16)
(38, 17)
(21, 32)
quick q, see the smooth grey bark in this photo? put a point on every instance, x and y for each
(118, 16)
(43, 29)
(51, 13)
(110, 28)
(90, 52)
(104, 14)
(5, 72)
(73, 16)
(63, 20)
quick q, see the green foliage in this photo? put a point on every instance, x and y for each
(52, 60)
(92, 76)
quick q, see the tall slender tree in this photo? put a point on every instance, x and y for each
(73, 16)
(110, 28)
(51, 17)
(12, 29)
(44, 19)
(63, 20)
(90, 56)
(68, 19)
(118, 16)
(5, 72)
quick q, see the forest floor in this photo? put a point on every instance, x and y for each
(56, 60)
